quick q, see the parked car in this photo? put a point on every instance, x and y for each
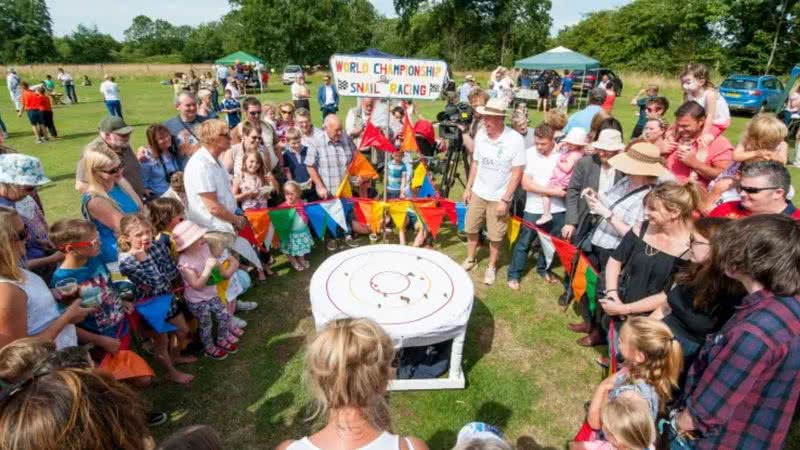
(752, 93)
(290, 73)
(585, 80)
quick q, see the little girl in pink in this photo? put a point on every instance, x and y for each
(570, 151)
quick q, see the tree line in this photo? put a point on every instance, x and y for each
(753, 36)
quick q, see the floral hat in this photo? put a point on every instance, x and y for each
(187, 233)
(21, 170)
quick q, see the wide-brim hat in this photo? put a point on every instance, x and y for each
(494, 107)
(642, 159)
(469, 78)
(576, 136)
(187, 233)
(21, 170)
(609, 140)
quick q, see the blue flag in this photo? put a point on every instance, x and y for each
(426, 190)
(318, 218)
(155, 311)
(461, 214)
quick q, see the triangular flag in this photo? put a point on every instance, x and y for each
(432, 217)
(360, 167)
(420, 173)
(398, 211)
(344, 190)
(461, 214)
(259, 220)
(512, 231)
(409, 142)
(317, 218)
(372, 212)
(449, 210)
(579, 278)
(566, 253)
(246, 251)
(155, 312)
(373, 137)
(426, 190)
(249, 235)
(591, 288)
(336, 214)
(548, 249)
(283, 221)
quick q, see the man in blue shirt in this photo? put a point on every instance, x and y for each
(583, 118)
(466, 88)
(327, 97)
(566, 85)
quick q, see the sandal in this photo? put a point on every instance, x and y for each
(297, 266)
(228, 347)
(216, 354)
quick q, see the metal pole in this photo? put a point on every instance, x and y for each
(386, 171)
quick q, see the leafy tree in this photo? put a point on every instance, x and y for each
(26, 33)
(87, 45)
(204, 43)
(155, 37)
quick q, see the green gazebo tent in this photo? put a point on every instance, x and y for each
(559, 58)
(243, 57)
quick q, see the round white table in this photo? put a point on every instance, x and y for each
(419, 296)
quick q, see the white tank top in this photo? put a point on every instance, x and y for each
(386, 441)
(42, 309)
(722, 116)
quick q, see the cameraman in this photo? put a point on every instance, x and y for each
(477, 99)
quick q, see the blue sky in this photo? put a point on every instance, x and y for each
(114, 16)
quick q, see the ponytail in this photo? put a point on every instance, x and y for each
(663, 355)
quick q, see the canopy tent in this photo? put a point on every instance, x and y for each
(375, 53)
(559, 58)
(243, 57)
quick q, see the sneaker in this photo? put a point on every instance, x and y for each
(228, 347)
(216, 354)
(331, 245)
(237, 332)
(469, 264)
(242, 305)
(238, 323)
(490, 275)
(373, 238)
(156, 418)
(350, 242)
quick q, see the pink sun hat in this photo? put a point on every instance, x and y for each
(187, 233)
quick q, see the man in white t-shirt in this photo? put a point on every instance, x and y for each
(542, 160)
(110, 92)
(69, 84)
(498, 161)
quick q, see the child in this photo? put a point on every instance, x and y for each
(697, 86)
(481, 436)
(253, 186)
(164, 213)
(764, 138)
(570, 150)
(640, 101)
(229, 279)
(176, 190)
(397, 179)
(653, 360)
(294, 159)
(148, 265)
(232, 108)
(557, 121)
(627, 423)
(299, 243)
(47, 112)
(396, 125)
(196, 265)
(83, 274)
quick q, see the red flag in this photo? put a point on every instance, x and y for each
(373, 137)
(449, 207)
(566, 253)
(432, 216)
(409, 142)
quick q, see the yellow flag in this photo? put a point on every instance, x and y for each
(419, 176)
(398, 211)
(513, 230)
(344, 190)
(377, 216)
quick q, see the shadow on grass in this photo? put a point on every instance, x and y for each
(480, 336)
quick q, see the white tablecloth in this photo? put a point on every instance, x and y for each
(419, 296)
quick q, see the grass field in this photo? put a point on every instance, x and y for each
(524, 372)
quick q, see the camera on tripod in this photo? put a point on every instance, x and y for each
(450, 121)
(453, 116)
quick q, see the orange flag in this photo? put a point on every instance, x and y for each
(409, 142)
(360, 167)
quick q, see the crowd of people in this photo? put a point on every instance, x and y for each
(695, 243)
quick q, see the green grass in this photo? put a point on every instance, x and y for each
(524, 372)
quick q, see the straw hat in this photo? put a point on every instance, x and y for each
(576, 136)
(609, 140)
(469, 77)
(494, 107)
(642, 159)
(187, 233)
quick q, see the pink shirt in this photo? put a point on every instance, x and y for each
(720, 150)
(197, 262)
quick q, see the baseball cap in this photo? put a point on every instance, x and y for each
(114, 124)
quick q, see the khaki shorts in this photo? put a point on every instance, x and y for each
(482, 211)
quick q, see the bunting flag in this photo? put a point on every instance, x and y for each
(584, 281)
(512, 231)
(461, 215)
(426, 190)
(409, 141)
(373, 137)
(449, 207)
(262, 227)
(283, 221)
(360, 167)
(344, 190)
(420, 173)
(566, 253)
(248, 234)
(548, 248)
(317, 218)
(398, 211)
(372, 212)
(432, 217)
(155, 310)
(336, 215)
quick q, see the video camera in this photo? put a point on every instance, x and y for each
(453, 116)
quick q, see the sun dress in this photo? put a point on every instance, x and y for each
(299, 241)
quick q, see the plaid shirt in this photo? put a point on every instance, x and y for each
(154, 275)
(743, 388)
(630, 210)
(331, 159)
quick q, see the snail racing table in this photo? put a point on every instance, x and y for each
(420, 297)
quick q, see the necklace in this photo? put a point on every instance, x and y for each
(650, 251)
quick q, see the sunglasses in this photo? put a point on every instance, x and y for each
(693, 241)
(755, 190)
(254, 113)
(227, 135)
(652, 110)
(115, 170)
(285, 112)
(22, 235)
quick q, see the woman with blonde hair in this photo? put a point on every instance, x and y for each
(27, 307)
(107, 199)
(206, 106)
(348, 368)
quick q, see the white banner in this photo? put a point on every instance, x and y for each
(362, 76)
